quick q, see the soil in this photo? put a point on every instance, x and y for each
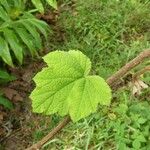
(15, 130)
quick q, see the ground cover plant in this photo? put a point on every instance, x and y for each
(5, 78)
(110, 33)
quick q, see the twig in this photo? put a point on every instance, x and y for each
(49, 136)
(129, 66)
(142, 71)
(111, 80)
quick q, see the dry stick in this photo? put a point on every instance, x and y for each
(111, 80)
(142, 71)
(133, 63)
(50, 135)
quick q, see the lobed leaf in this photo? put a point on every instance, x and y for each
(64, 87)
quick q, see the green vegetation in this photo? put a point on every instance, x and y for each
(65, 86)
(39, 5)
(5, 78)
(110, 33)
(19, 31)
(124, 126)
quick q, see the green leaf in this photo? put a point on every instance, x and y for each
(34, 33)
(52, 3)
(18, 4)
(4, 52)
(141, 120)
(41, 26)
(20, 31)
(38, 4)
(136, 144)
(5, 4)
(122, 109)
(6, 103)
(64, 87)
(26, 38)
(5, 77)
(3, 14)
(13, 41)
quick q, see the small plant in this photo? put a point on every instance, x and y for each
(5, 78)
(64, 87)
(39, 5)
(19, 31)
(5, 102)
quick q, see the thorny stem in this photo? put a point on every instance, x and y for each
(111, 80)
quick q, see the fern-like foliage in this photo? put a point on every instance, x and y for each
(39, 5)
(19, 31)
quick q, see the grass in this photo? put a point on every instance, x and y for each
(110, 32)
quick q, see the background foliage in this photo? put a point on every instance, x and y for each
(19, 32)
(39, 4)
(4, 79)
(111, 33)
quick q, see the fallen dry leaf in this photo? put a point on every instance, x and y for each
(12, 94)
(137, 86)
